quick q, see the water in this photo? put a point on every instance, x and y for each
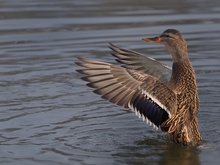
(48, 115)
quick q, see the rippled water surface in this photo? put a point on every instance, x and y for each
(47, 114)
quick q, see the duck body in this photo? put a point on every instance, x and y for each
(162, 96)
(185, 126)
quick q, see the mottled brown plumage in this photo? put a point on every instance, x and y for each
(162, 96)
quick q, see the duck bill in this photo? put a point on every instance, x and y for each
(155, 39)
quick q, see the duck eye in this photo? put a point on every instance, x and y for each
(166, 35)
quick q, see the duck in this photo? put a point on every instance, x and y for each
(162, 96)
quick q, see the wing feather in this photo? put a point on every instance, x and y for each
(145, 94)
(136, 61)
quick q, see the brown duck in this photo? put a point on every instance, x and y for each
(162, 96)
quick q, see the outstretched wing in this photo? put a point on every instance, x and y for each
(113, 83)
(143, 93)
(136, 61)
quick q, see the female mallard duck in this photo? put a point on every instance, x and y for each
(164, 97)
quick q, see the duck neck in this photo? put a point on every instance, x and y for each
(179, 53)
(182, 70)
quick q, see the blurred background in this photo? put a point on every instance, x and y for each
(49, 116)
